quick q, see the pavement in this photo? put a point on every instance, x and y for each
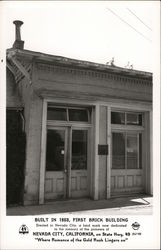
(133, 205)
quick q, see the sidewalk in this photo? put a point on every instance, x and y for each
(134, 205)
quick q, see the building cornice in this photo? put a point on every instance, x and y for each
(123, 79)
(80, 64)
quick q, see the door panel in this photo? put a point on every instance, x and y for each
(126, 181)
(55, 178)
(79, 182)
(54, 185)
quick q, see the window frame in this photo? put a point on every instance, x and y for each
(129, 129)
(133, 126)
(67, 114)
(126, 133)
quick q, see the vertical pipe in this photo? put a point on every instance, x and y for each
(17, 29)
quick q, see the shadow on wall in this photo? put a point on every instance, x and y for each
(15, 154)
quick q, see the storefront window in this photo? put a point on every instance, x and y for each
(132, 151)
(126, 150)
(140, 151)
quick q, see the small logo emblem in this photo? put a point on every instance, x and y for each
(23, 229)
(135, 225)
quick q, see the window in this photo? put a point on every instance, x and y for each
(79, 149)
(132, 151)
(134, 119)
(127, 130)
(54, 152)
(68, 114)
(59, 114)
(126, 118)
(78, 115)
(126, 150)
(140, 150)
(118, 150)
(117, 118)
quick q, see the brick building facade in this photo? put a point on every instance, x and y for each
(87, 126)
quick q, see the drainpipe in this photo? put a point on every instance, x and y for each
(23, 120)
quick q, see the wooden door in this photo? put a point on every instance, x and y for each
(67, 160)
(56, 163)
(79, 181)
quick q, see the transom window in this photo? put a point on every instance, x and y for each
(126, 118)
(69, 114)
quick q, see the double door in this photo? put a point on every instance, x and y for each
(67, 163)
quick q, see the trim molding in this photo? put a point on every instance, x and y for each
(92, 73)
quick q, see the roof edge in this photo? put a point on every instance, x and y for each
(38, 56)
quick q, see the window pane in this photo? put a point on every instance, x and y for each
(132, 152)
(140, 150)
(59, 114)
(79, 149)
(78, 115)
(118, 151)
(134, 119)
(55, 150)
(140, 119)
(117, 118)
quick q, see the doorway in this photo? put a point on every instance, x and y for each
(127, 159)
(67, 162)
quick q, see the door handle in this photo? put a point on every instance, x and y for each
(65, 170)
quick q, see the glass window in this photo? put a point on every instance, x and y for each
(117, 118)
(118, 150)
(126, 118)
(132, 152)
(132, 157)
(78, 115)
(59, 114)
(79, 149)
(134, 119)
(55, 150)
(140, 150)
